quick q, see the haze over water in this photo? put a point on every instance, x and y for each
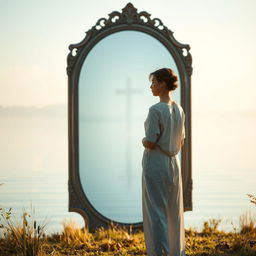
(34, 167)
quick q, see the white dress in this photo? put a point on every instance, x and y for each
(162, 196)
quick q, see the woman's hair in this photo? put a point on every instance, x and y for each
(167, 75)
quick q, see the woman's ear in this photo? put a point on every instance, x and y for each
(163, 84)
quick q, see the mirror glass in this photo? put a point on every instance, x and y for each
(114, 96)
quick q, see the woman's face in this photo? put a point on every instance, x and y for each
(157, 88)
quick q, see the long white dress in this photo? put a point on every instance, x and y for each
(162, 196)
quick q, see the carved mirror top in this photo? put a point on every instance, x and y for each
(129, 16)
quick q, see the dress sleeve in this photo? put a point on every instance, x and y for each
(152, 126)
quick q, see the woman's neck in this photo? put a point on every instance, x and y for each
(166, 99)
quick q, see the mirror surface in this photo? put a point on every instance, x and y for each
(114, 97)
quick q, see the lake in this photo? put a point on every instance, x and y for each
(34, 169)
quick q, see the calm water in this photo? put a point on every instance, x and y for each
(33, 168)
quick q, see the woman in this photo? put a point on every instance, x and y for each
(162, 196)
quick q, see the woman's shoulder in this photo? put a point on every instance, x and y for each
(161, 106)
(156, 107)
(180, 107)
(181, 111)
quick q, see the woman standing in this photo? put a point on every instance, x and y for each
(162, 196)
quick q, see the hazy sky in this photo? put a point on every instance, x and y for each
(36, 35)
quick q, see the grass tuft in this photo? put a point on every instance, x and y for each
(247, 222)
(23, 237)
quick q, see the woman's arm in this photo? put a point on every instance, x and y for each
(148, 144)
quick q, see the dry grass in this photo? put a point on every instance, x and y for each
(21, 237)
(28, 239)
(247, 222)
(253, 198)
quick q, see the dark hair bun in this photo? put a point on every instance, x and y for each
(168, 76)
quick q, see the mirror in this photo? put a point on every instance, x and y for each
(108, 100)
(114, 97)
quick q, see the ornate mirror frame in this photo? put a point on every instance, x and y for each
(128, 19)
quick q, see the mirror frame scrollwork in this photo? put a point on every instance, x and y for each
(128, 19)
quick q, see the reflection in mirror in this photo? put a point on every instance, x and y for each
(114, 97)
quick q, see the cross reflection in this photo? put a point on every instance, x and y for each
(128, 91)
